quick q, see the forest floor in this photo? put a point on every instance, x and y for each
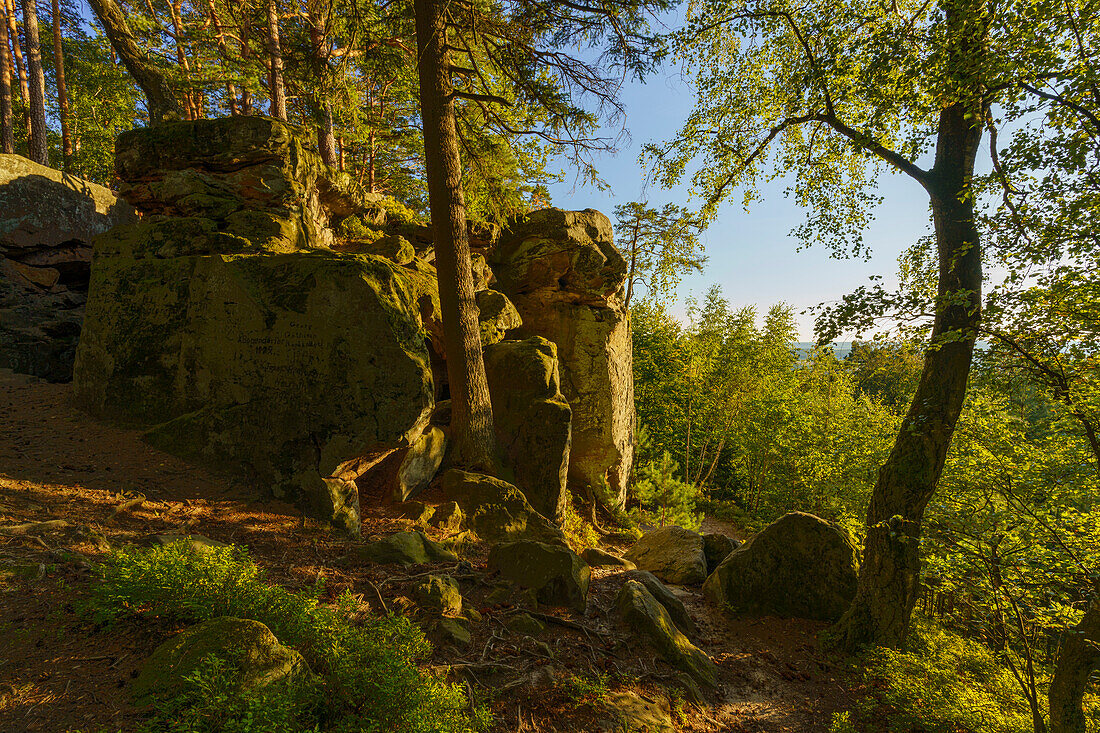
(60, 672)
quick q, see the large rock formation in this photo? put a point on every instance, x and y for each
(531, 418)
(303, 367)
(799, 565)
(47, 222)
(565, 276)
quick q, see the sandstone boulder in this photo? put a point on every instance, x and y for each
(629, 712)
(556, 574)
(47, 222)
(496, 316)
(405, 548)
(598, 558)
(565, 277)
(439, 594)
(717, 547)
(497, 511)
(292, 367)
(800, 565)
(673, 554)
(420, 463)
(532, 419)
(649, 620)
(448, 517)
(248, 645)
(672, 604)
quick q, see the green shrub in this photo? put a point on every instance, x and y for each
(584, 690)
(945, 684)
(372, 682)
(397, 212)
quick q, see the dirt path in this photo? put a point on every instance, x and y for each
(58, 672)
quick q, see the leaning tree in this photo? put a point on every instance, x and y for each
(833, 94)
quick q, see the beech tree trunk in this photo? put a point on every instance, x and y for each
(1079, 658)
(161, 100)
(889, 579)
(62, 92)
(36, 81)
(7, 131)
(275, 63)
(472, 416)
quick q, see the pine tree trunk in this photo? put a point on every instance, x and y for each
(275, 66)
(246, 56)
(223, 49)
(1079, 658)
(62, 92)
(36, 81)
(191, 105)
(472, 417)
(326, 137)
(20, 67)
(7, 131)
(161, 100)
(889, 579)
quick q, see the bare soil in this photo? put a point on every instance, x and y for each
(60, 672)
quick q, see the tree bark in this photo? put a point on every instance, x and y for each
(472, 417)
(36, 81)
(1080, 656)
(889, 579)
(20, 66)
(326, 137)
(161, 100)
(223, 48)
(275, 66)
(7, 131)
(191, 105)
(246, 56)
(62, 92)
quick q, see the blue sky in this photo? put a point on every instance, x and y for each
(752, 255)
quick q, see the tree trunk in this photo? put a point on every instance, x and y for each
(1080, 656)
(472, 418)
(62, 92)
(223, 48)
(246, 56)
(192, 108)
(161, 100)
(7, 131)
(20, 67)
(889, 579)
(275, 66)
(36, 81)
(326, 137)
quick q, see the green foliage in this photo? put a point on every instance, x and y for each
(212, 701)
(660, 246)
(945, 684)
(662, 497)
(583, 689)
(371, 678)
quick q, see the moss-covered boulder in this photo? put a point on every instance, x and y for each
(562, 272)
(246, 644)
(676, 609)
(448, 517)
(292, 368)
(496, 510)
(717, 548)
(439, 594)
(532, 420)
(404, 548)
(556, 574)
(420, 463)
(800, 565)
(496, 316)
(598, 558)
(673, 554)
(651, 622)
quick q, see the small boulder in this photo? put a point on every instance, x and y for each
(800, 565)
(392, 246)
(598, 558)
(248, 644)
(716, 547)
(557, 575)
(497, 511)
(439, 594)
(417, 511)
(675, 607)
(448, 517)
(421, 463)
(649, 619)
(453, 631)
(525, 623)
(405, 548)
(629, 712)
(673, 554)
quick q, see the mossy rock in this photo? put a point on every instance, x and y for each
(673, 554)
(448, 517)
(496, 316)
(439, 594)
(405, 548)
(249, 645)
(639, 610)
(496, 510)
(525, 623)
(799, 565)
(672, 604)
(555, 573)
(598, 558)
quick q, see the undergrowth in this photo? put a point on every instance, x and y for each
(369, 677)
